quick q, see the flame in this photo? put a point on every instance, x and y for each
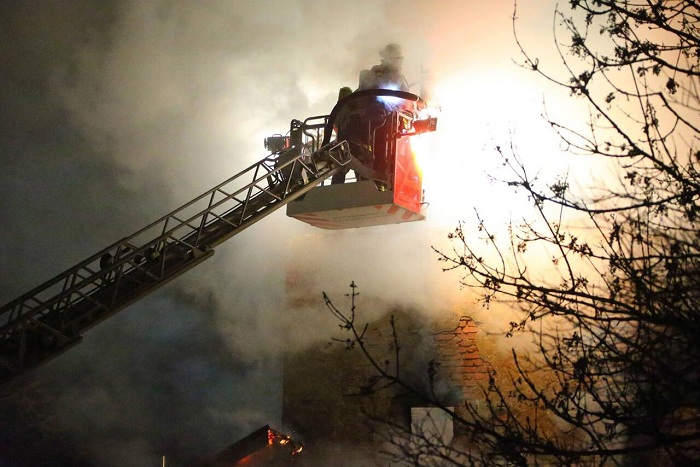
(421, 147)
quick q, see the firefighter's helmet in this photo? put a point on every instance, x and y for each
(391, 51)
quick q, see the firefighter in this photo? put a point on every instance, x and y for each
(352, 125)
(386, 75)
(106, 261)
(341, 119)
(363, 122)
(342, 128)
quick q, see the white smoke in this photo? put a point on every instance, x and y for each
(117, 112)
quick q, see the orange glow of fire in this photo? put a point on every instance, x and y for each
(421, 149)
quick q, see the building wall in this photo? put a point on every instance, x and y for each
(322, 404)
(461, 364)
(322, 396)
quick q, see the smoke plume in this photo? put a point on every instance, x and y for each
(114, 113)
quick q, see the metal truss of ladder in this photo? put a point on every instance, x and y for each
(51, 318)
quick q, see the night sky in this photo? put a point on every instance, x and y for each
(114, 113)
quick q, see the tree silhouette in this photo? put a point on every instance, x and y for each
(615, 375)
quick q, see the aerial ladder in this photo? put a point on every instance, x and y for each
(52, 318)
